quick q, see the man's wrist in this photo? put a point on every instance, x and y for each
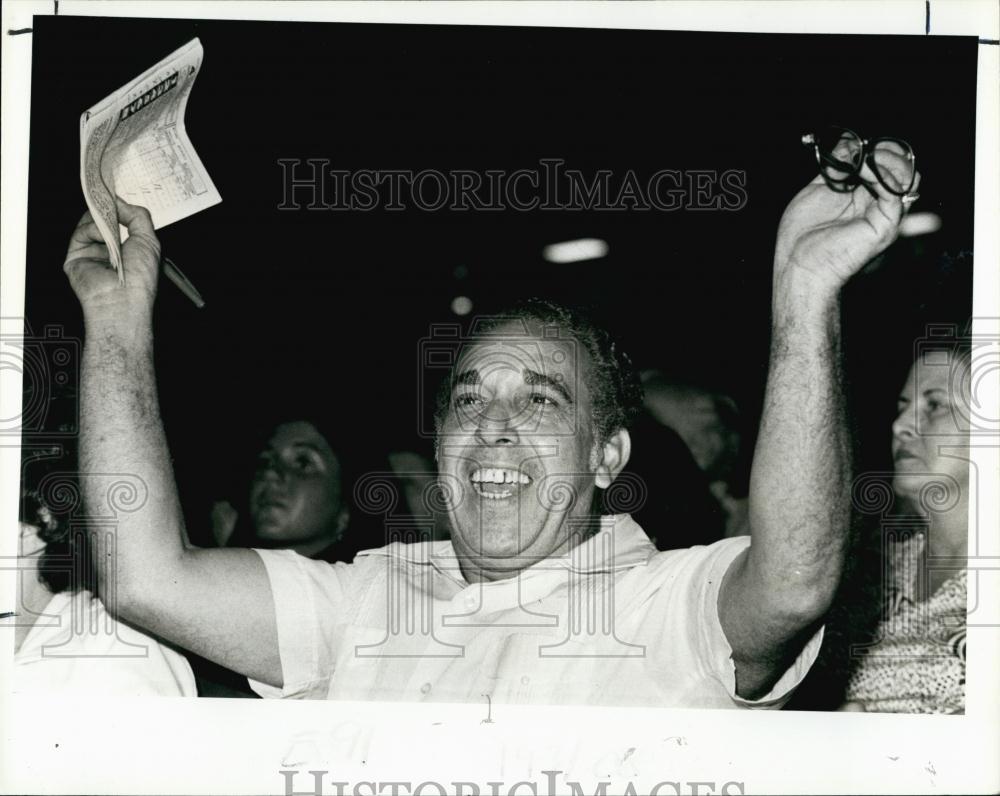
(800, 294)
(126, 327)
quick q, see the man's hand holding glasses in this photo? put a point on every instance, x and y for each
(846, 216)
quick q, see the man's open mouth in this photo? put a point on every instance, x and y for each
(497, 483)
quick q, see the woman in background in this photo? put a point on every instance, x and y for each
(916, 663)
(301, 493)
(301, 497)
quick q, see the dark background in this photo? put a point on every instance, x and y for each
(335, 303)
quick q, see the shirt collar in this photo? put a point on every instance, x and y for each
(619, 544)
(908, 563)
(905, 564)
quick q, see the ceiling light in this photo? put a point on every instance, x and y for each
(573, 251)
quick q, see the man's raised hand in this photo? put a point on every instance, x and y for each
(828, 236)
(93, 278)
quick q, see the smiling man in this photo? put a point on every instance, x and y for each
(537, 598)
(534, 417)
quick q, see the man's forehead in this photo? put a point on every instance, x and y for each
(520, 352)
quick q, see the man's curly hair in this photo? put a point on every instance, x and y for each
(612, 380)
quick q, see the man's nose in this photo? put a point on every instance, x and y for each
(498, 424)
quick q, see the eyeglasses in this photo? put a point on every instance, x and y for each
(842, 153)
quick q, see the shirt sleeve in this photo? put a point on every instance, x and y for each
(699, 572)
(312, 604)
(113, 659)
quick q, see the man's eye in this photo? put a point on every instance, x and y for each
(303, 462)
(541, 399)
(468, 399)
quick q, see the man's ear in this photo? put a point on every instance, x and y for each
(343, 518)
(613, 458)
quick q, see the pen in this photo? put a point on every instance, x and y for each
(174, 274)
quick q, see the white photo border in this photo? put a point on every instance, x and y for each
(236, 746)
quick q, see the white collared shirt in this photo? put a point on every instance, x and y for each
(76, 646)
(613, 622)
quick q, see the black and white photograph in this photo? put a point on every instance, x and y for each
(500, 398)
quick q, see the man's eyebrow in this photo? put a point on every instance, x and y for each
(534, 377)
(467, 377)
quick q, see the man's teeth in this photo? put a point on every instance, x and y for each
(496, 475)
(489, 482)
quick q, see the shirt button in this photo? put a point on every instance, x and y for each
(525, 680)
(470, 602)
(425, 688)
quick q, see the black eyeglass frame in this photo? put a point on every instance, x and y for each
(867, 156)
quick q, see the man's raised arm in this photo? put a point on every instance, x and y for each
(773, 597)
(214, 602)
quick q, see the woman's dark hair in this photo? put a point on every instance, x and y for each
(50, 494)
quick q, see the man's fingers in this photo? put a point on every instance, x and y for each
(73, 267)
(887, 209)
(86, 232)
(894, 171)
(869, 178)
(88, 251)
(136, 218)
(86, 242)
(142, 241)
(887, 145)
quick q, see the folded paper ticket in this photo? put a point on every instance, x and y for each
(133, 144)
